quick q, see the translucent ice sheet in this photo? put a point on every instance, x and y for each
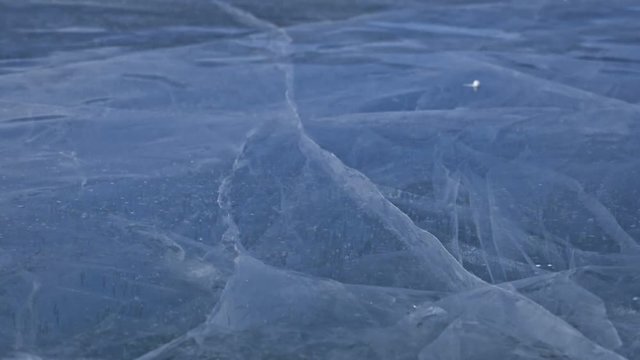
(375, 179)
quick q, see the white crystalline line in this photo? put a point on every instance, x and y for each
(475, 199)
(75, 163)
(500, 225)
(357, 182)
(607, 221)
(231, 235)
(556, 86)
(364, 192)
(27, 337)
(455, 222)
(166, 241)
(603, 217)
(448, 30)
(281, 48)
(494, 219)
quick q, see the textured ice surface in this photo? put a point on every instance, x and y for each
(312, 180)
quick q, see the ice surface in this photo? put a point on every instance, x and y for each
(563, 297)
(298, 207)
(492, 323)
(312, 180)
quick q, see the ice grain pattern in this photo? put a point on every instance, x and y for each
(312, 180)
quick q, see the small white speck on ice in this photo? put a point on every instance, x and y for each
(474, 85)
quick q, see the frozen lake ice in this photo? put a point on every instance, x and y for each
(320, 179)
